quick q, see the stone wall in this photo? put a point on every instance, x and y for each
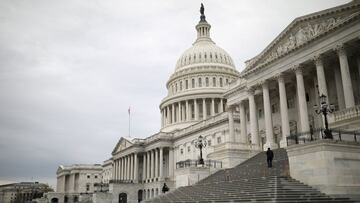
(328, 165)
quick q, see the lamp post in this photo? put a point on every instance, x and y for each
(325, 109)
(201, 143)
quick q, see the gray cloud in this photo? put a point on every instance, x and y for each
(69, 70)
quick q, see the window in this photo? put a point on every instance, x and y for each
(209, 143)
(188, 149)
(186, 84)
(290, 103)
(87, 186)
(221, 82)
(248, 116)
(227, 81)
(176, 87)
(192, 83)
(180, 85)
(214, 82)
(95, 176)
(274, 108)
(88, 176)
(200, 82)
(219, 140)
(181, 151)
(307, 97)
(207, 82)
(260, 113)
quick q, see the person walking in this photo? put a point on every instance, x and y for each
(165, 188)
(270, 156)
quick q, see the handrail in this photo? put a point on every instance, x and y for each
(189, 163)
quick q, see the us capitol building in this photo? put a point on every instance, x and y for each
(239, 114)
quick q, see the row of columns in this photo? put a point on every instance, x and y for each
(182, 111)
(126, 168)
(153, 164)
(301, 95)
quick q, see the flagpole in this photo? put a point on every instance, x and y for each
(129, 111)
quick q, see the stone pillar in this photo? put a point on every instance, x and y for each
(162, 118)
(321, 76)
(123, 168)
(187, 111)
(136, 168)
(346, 77)
(179, 113)
(285, 128)
(253, 121)
(212, 107)
(303, 111)
(152, 153)
(118, 169)
(231, 125)
(173, 114)
(161, 164)
(268, 118)
(115, 170)
(196, 109)
(171, 162)
(221, 105)
(204, 109)
(339, 88)
(132, 167)
(243, 131)
(148, 165)
(156, 163)
(129, 167)
(144, 167)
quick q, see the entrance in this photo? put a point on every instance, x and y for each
(54, 200)
(122, 198)
(140, 195)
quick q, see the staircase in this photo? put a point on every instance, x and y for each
(250, 181)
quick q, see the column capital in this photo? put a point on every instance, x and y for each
(297, 69)
(340, 49)
(264, 84)
(280, 77)
(318, 59)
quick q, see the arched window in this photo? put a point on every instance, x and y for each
(214, 82)
(227, 81)
(186, 84)
(200, 85)
(207, 81)
(180, 85)
(176, 87)
(221, 82)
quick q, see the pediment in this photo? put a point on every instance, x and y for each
(304, 30)
(122, 144)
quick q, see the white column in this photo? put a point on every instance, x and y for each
(212, 107)
(152, 164)
(125, 168)
(161, 164)
(156, 163)
(268, 118)
(148, 165)
(179, 112)
(144, 167)
(187, 111)
(231, 125)
(115, 170)
(243, 131)
(339, 88)
(171, 162)
(303, 111)
(283, 111)
(118, 169)
(321, 76)
(204, 109)
(196, 109)
(136, 168)
(173, 114)
(346, 77)
(128, 169)
(221, 105)
(162, 118)
(132, 167)
(253, 120)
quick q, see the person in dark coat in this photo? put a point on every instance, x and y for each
(270, 156)
(165, 188)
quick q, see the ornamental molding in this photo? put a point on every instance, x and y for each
(301, 32)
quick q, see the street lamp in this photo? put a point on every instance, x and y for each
(201, 143)
(325, 109)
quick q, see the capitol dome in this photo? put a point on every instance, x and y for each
(196, 88)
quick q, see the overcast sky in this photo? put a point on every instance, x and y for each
(70, 69)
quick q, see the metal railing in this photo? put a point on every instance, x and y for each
(120, 181)
(194, 163)
(317, 134)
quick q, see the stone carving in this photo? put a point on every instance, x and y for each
(301, 36)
